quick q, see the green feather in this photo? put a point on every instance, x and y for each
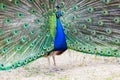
(28, 29)
(52, 24)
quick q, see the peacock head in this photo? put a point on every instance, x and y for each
(58, 14)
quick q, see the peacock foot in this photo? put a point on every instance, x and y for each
(54, 69)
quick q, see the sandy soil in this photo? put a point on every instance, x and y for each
(71, 66)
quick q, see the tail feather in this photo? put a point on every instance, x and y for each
(24, 36)
(92, 26)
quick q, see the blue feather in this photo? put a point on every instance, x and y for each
(60, 39)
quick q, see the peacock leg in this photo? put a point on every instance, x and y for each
(54, 61)
(49, 60)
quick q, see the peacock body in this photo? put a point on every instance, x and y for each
(31, 29)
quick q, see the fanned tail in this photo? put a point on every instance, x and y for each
(93, 26)
(27, 28)
(24, 32)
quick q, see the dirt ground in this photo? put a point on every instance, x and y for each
(70, 66)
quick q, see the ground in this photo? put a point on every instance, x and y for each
(71, 66)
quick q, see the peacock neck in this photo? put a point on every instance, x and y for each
(60, 39)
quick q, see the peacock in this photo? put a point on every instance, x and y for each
(32, 29)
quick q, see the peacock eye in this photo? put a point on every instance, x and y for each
(13, 66)
(106, 1)
(35, 57)
(90, 9)
(7, 20)
(3, 6)
(32, 11)
(108, 52)
(25, 25)
(16, 2)
(116, 41)
(100, 23)
(32, 31)
(24, 39)
(18, 63)
(20, 15)
(89, 50)
(19, 48)
(95, 48)
(84, 26)
(108, 31)
(117, 20)
(30, 0)
(25, 61)
(105, 12)
(48, 49)
(30, 59)
(89, 20)
(4, 50)
(2, 65)
(42, 53)
(101, 37)
(80, 48)
(93, 32)
(38, 54)
(115, 53)
(52, 1)
(37, 21)
(8, 40)
(43, 5)
(75, 8)
(15, 32)
(101, 51)
(87, 38)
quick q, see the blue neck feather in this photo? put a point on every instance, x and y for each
(60, 39)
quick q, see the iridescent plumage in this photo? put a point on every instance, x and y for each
(30, 29)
